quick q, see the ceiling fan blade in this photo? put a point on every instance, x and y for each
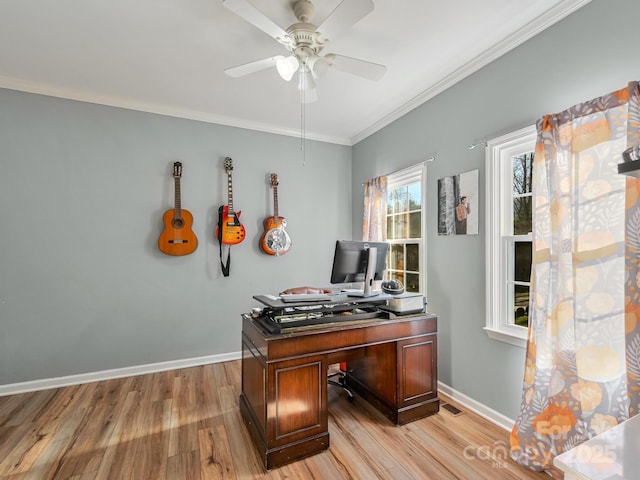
(343, 16)
(251, 14)
(354, 66)
(247, 68)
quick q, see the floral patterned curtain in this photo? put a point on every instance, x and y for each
(582, 371)
(374, 223)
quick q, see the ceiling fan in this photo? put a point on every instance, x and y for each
(305, 42)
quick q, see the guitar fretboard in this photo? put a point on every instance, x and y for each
(275, 203)
(229, 193)
(178, 208)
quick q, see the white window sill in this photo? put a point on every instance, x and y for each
(515, 335)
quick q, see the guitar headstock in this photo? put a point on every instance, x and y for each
(274, 180)
(177, 169)
(228, 164)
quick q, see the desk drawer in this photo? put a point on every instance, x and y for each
(345, 355)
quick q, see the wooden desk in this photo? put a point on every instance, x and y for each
(392, 363)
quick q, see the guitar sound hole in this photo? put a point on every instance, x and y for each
(178, 223)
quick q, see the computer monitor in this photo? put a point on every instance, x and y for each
(359, 262)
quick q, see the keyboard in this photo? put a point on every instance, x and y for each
(304, 297)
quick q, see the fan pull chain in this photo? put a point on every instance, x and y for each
(303, 128)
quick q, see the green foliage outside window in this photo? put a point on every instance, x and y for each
(404, 223)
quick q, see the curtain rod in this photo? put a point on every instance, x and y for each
(481, 142)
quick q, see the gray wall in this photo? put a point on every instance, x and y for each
(83, 187)
(83, 287)
(590, 53)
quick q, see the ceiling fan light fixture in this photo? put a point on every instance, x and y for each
(287, 67)
(318, 65)
(305, 79)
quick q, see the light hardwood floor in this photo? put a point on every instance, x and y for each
(185, 424)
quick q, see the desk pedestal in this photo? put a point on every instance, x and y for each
(391, 363)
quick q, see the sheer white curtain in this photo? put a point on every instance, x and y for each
(374, 222)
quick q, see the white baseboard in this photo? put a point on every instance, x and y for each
(488, 413)
(14, 388)
(47, 383)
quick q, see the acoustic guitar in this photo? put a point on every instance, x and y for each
(229, 230)
(177, 238)
(275, 240)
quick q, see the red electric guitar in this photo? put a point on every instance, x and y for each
(275, 240)
(177, 238)
(229, 230)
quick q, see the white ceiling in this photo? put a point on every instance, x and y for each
(168, 57)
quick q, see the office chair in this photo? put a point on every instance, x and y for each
(342, 380)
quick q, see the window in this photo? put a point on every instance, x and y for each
(405, 224)
(509, 240)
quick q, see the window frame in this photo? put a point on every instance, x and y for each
(499, 189)
(405, 177)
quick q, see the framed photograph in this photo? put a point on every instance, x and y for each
(458, 204)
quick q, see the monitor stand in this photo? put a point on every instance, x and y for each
(368, 277)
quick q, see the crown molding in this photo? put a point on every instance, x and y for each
(545, 20)
(28, 86)
(542, 22)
